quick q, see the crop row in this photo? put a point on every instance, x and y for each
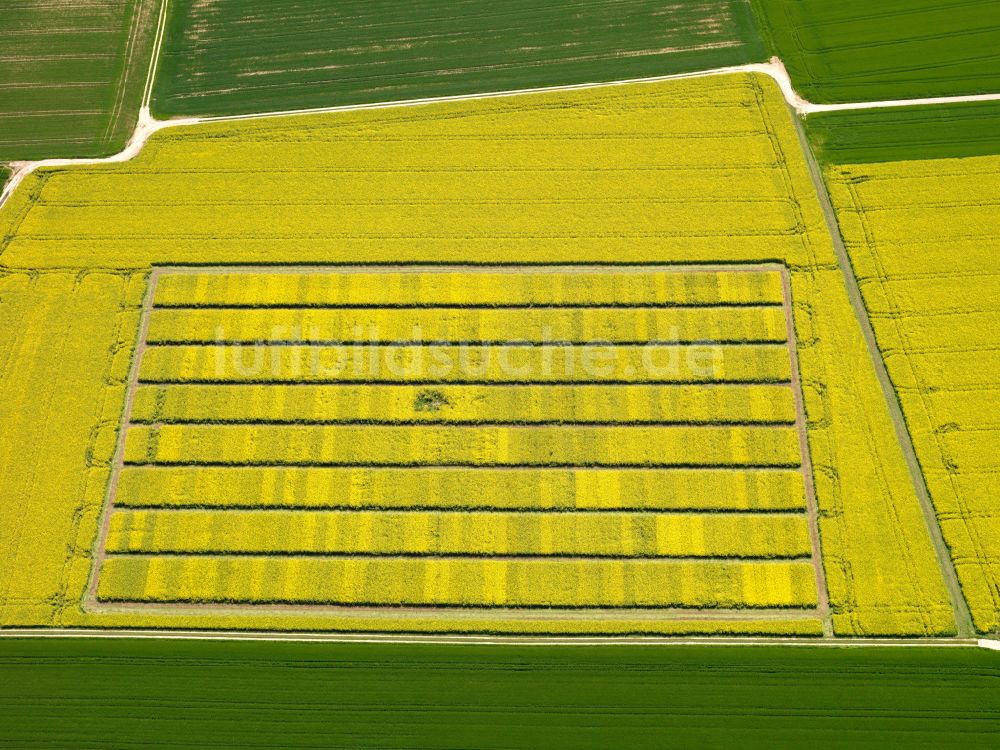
(466, 363)
(620, 404)
(458, 582)
(609, 324)
(459, 533)
(336, 445)
(462, 488)
(266, 55)
(507, 286)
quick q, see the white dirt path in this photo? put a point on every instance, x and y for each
(148, 125)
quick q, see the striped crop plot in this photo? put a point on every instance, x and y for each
(72, 75)
(518, 437)
(922, 236)
(244, 56)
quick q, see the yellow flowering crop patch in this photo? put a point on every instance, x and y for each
(64, 348)
(461, 533)
(611, 324)
(472, 363)
(443, 287)
(389, 404)
(569, 445)
(460, 582)
(627, 449)
(923, 241)
(463, 488)
(680, 213)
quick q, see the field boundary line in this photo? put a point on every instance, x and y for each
(486, 640)
(812, 504)
(960, 607)
(148, 125)
(118, 462)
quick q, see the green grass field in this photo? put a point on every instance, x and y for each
(928, 132)
(72, 75)
(265, 55)
(157, 695)
(856, 50)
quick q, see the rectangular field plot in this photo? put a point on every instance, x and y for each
(598, 439)
(72, 75)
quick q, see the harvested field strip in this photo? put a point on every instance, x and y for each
(509, 287)
(465, 534)
(403, 404)
(487, 365)
(615, 445)
(260, 55)
(455, 582)
(470, 324)
(468, 489)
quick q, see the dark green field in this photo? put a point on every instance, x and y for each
(239, 56)
(71, 76)
(858, 50)
(930, 132)
(176, 694)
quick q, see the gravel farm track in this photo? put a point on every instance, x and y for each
(147, 126)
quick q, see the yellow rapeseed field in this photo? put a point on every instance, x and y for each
(675, 174)
(65, 341)
(923, 241)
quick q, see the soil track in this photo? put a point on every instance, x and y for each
(148, 125)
